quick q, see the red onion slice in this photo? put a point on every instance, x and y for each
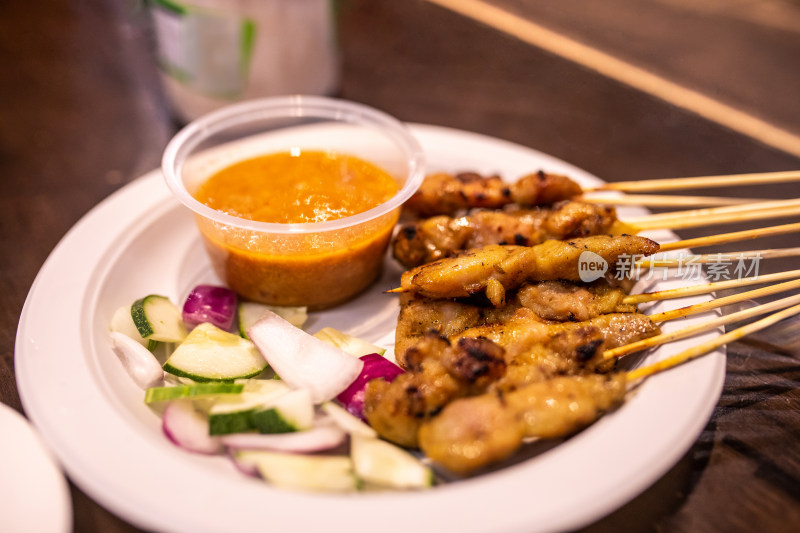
(210, 303)
(375, 366)
(187, 427)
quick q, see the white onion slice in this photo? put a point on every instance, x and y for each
(319, 438)
(303, 361)
(141, 365)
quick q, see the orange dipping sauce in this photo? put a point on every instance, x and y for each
(316, 270)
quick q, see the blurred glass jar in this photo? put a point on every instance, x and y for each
(214, 52)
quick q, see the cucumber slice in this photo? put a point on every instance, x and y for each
(122, 322)
(211, 354)
(347, 422)
(348, 343)
(303, 472)
(377, 461)
(293, 411)
(156, 318)
(200, 390)
(248, 314)
(235, 414)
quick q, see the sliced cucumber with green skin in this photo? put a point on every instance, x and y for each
(158, 319)
(211, 354)
(200, 390)
(122, 322)
(293, 411)
(377, 461)
(248, 314)
(235, 414)
(303, 472)
(347, 422)
(348, 343)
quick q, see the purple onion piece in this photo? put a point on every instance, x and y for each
(188, 428)
(375, 366)
(210, 303)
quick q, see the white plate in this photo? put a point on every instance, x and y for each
(141, 241)
(33, 490)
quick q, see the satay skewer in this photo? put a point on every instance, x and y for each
(472, 432)
(466, 275)
(638, 374)
(686, 261)
(760, 205)
(700, 182)
(665, 338)
(707, 288)
(664, 200)
(724, 238)
(710, 217)
(446, 194)
(426, 240)
(721, 302)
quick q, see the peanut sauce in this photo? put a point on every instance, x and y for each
(318, 269)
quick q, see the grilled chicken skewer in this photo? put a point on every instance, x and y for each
(473, 432)
(504, 356)
(493, 270)
(430, 239)
(558, 301)
(449, 194)
(441, 236)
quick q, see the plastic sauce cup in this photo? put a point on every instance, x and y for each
(318, 265)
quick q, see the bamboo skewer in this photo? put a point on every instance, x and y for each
(720, 302)
(724, 238)
(712, 258)
(692, 219)
(663, 200)
(765, 204)
(705, 347)
(671, 262)
(707, 288)
(700, 328)
(700, 182)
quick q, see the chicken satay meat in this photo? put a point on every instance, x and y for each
(448, 194)
(438, 373)
(420, 316)
(441, 236)
(568, 220)
(433, 238)
(470, 273)
(525, 328)
(536, 351)
(560, 300)
(395, 410)
(557, 301)
(542, 188)
(455, 277)
(474, 432)
(563, 405)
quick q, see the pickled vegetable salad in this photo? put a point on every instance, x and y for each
(242, 379)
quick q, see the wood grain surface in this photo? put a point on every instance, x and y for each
(82, 113)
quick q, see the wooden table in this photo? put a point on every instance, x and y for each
(82, 113)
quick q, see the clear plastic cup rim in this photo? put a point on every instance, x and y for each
(187, 139)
